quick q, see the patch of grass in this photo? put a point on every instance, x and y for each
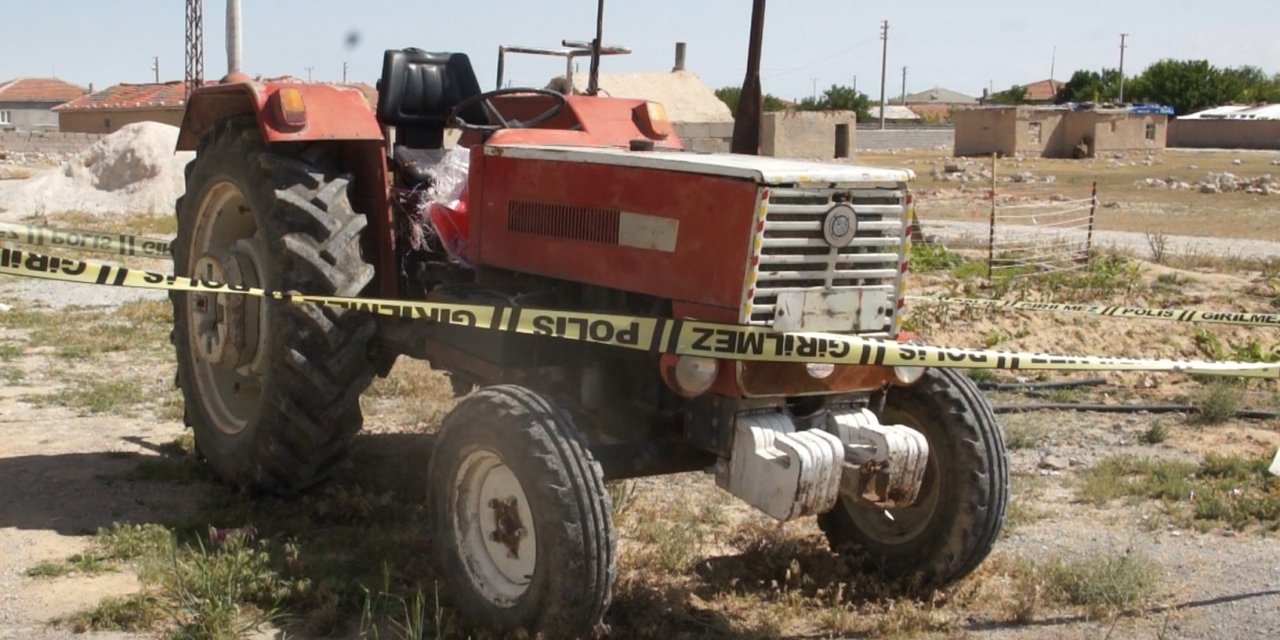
(126, 542)
(418, 391)
(9, 351)
(133, 613)
(1219, 401)
(1155, 434)
(970, 270)
(93, 396)
(927, 258)
(1023, 432)
(673, 544)
(1105, 584)
(909, 618)
(1108, 275)
(1223, 490)
(224, 590)
(1158, 242)
(622, 493)
(85, 564)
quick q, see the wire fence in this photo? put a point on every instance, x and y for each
(1040, 237)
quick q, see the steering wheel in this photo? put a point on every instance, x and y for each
(455, 115)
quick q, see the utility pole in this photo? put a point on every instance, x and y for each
(233, 37)
(344, 72)
(904, 86)
(1123, 46)
(815, 88)
(155, 66)
(309, 69)
(746, 123)
(884, 58)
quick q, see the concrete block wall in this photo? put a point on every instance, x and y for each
(50, 142)
(1225, 134)
(705, 137)
(805, 134)
(888, 139)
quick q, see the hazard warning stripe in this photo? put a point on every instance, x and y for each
(1173, 315)
(130, 245)
(682, 337)
(97, 241)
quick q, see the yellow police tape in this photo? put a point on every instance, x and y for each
(657, 335)
(129, 245)
(1176, 315)
(101, 242)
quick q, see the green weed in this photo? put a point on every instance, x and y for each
(1223, 490)
(133, 613)
(85, 564)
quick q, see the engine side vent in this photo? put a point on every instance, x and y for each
(564, 221)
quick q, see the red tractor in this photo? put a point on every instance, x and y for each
(575, 203)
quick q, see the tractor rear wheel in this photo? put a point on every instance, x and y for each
(954, 522)
(521, 519)
(271, 388)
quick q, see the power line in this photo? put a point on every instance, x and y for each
(820, 61)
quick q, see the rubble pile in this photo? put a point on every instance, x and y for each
(133, 170)
(1218, 182)
(982, 174)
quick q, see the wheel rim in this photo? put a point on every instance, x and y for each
(903, 524)
(224, 329)
(494, 528)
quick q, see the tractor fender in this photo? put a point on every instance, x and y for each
(332, 112)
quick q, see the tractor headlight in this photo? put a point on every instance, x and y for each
(694, 375)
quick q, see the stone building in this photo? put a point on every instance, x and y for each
(26, 103)
(108, 110)
(1059, 132)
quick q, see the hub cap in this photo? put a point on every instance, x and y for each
(494, 527)
(224, 330)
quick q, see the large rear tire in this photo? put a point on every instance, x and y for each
(521, 518)
(953, 524)
(271, 388)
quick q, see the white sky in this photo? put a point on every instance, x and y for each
(960, 45)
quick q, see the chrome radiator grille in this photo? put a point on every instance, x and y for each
(793, 254)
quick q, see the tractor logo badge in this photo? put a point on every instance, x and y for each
(840, 226)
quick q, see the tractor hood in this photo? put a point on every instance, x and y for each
(759, 169)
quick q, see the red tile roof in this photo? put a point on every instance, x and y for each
(168, 94)
(39, 90)
(1042, 91)
(131, 96)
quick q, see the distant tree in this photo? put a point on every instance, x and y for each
(1090, 86)
(1017, 94)
(731, 95)
(1185, 85)
(839, 98)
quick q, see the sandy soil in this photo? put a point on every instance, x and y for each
(65, 473)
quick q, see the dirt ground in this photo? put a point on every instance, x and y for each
(87, 413)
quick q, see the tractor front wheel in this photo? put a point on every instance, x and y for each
(522, 521)
(954, 522)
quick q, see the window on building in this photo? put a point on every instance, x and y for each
(1151, 131)
(5, 117)
(1033, 132)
